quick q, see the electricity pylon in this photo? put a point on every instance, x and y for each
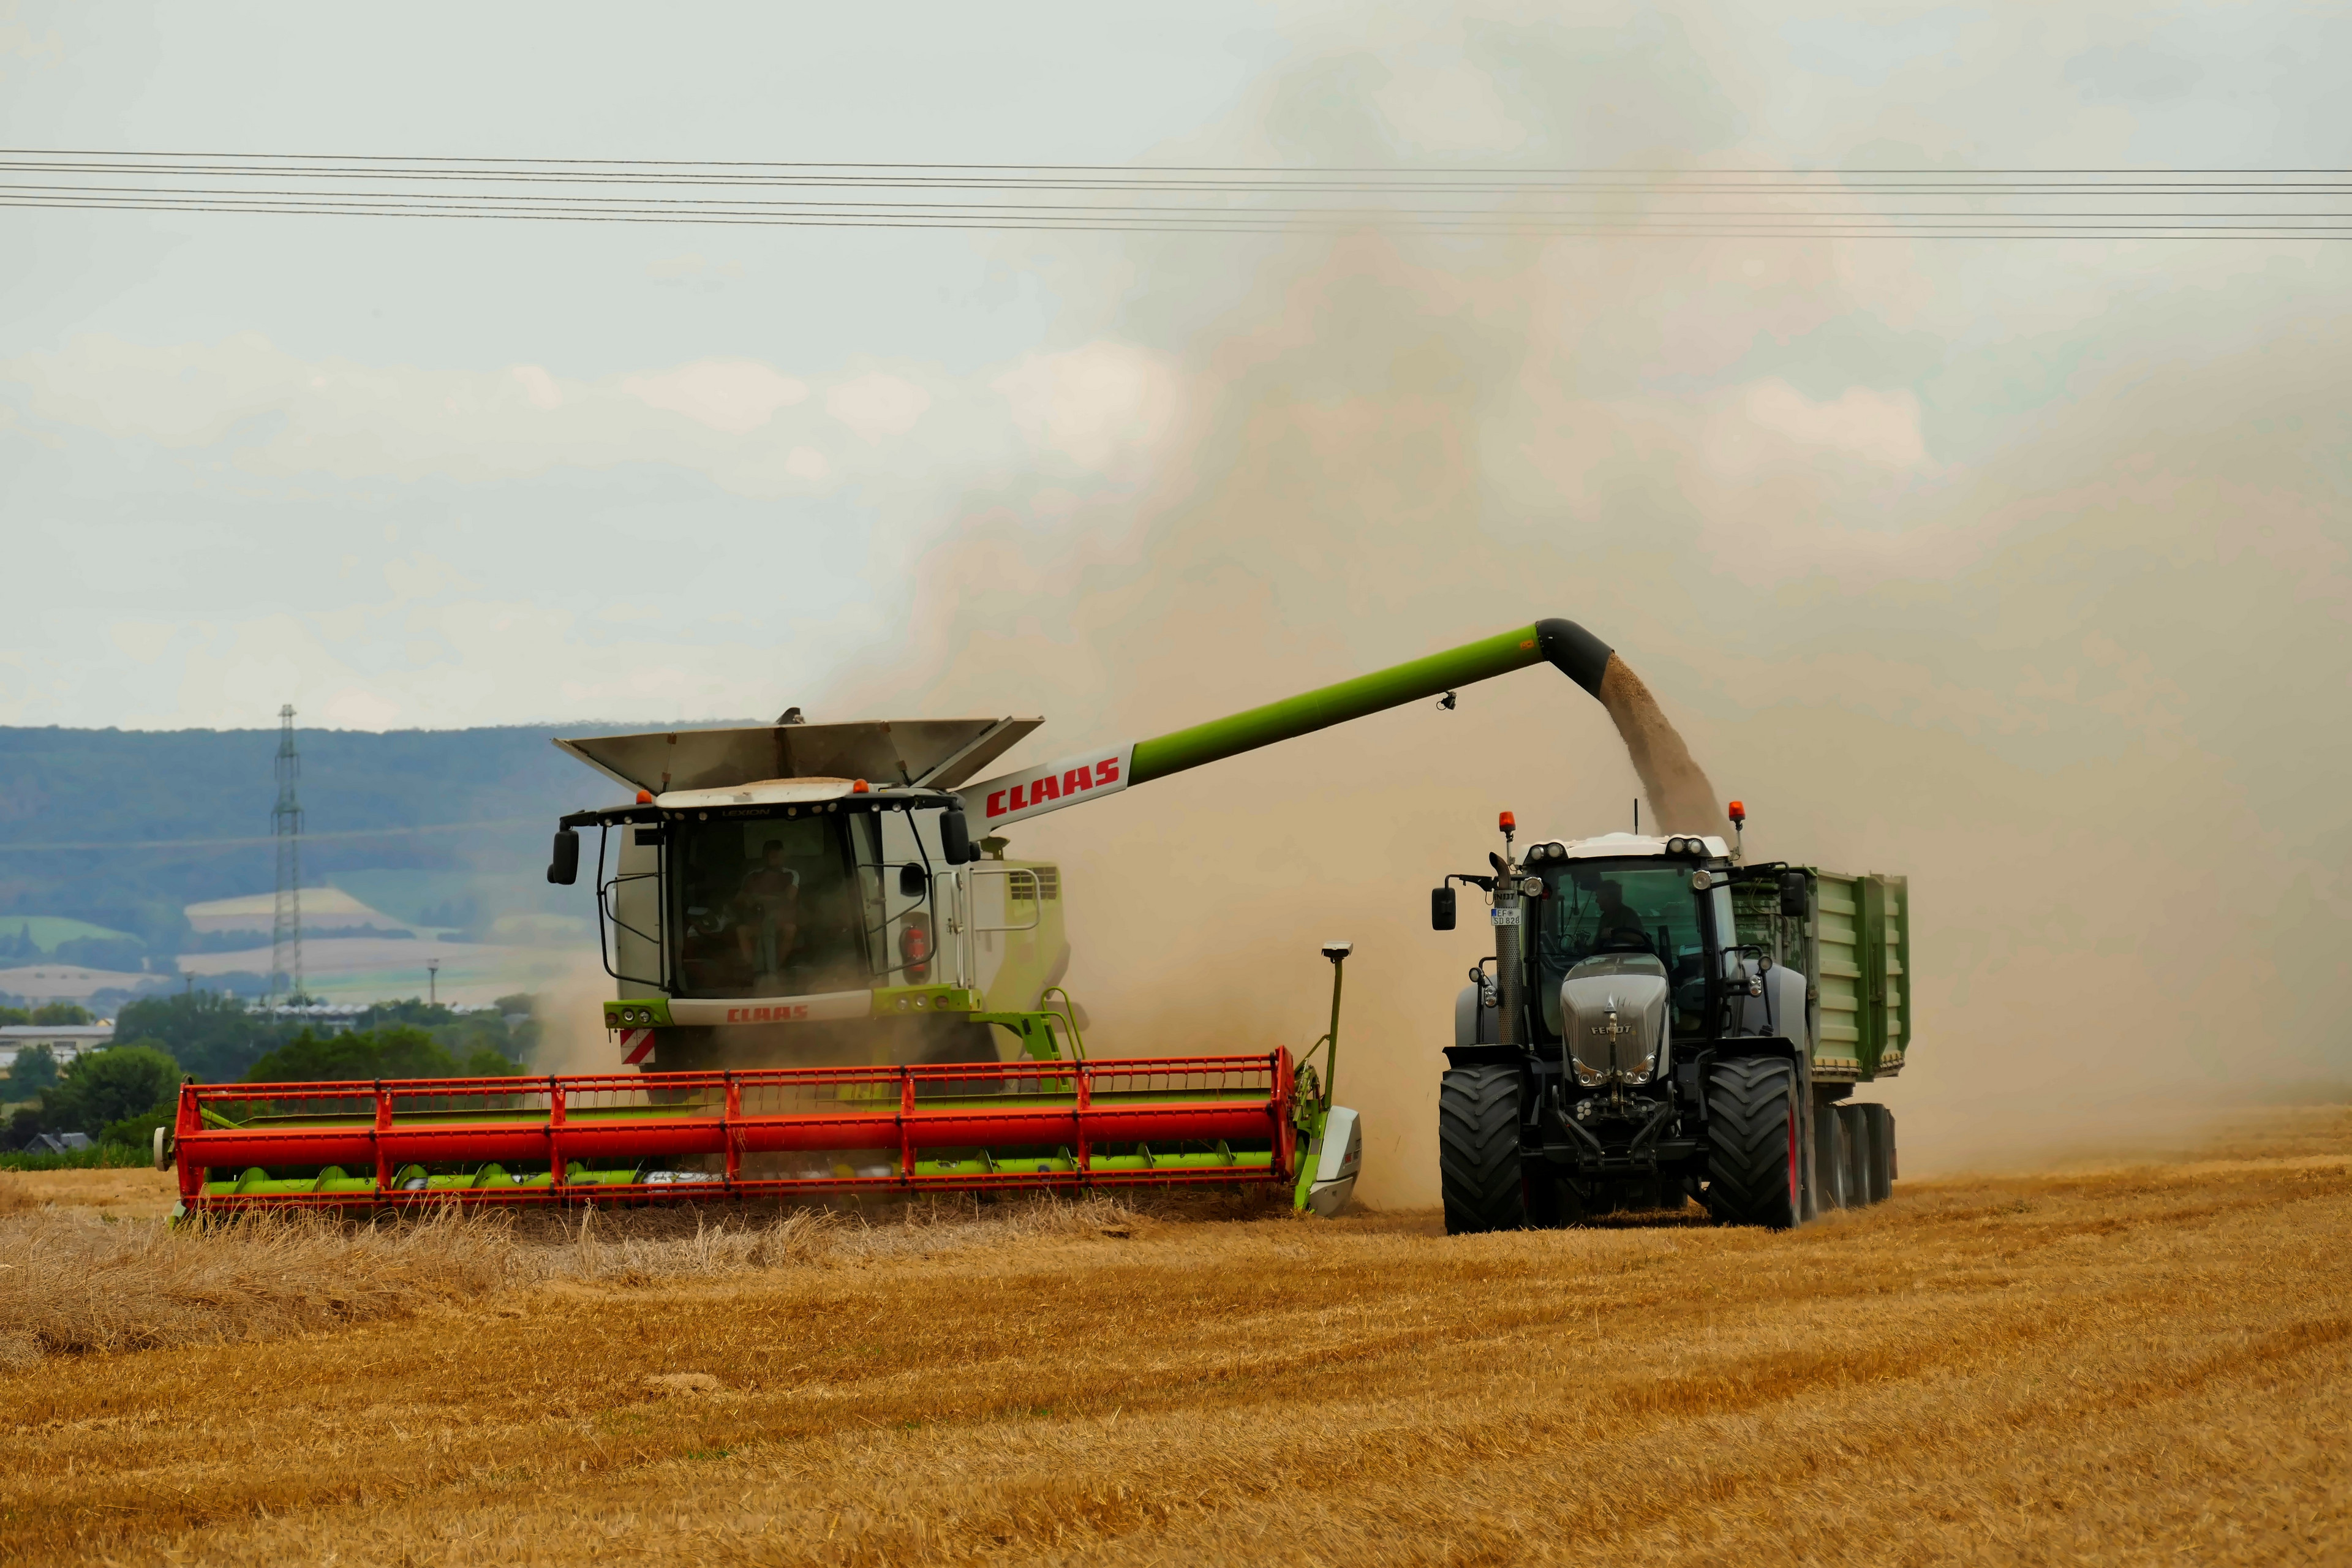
(286, 822)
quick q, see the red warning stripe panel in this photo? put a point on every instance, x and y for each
(636, 1046)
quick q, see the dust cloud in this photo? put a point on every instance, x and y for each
(570, 1010)
(2047, 661)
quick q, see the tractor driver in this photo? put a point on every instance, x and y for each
(1614, 914)
(767, 908)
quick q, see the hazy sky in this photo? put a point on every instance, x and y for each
(408, 473)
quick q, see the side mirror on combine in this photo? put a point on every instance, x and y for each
(1440, 909)
(563, 865)
(955, 838)
(913, 883)
(1795, 896)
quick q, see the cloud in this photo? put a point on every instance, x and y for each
(354, 708)
(281, 416)
(748, 426)
(733, 396)
(1094, 403)
(1771, 420)
(2132, 73)
(874, 406)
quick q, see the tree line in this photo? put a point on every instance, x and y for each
(121, 1094)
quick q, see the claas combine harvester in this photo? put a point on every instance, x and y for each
(832, 979)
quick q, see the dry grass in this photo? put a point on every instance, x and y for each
(127, 1193)
(2119, 1366)
(76, 1280)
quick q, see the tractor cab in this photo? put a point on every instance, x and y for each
(1619, 905)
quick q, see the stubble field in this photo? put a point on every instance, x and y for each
(2136, 1364)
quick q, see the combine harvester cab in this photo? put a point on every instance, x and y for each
(1660, 1021)
(811, 894)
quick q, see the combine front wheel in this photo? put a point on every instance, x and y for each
(1751, 1130)
(1478, 1164)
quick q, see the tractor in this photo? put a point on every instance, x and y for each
(1661, 1022)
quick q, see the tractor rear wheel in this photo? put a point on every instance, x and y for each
(1480, 1170)
(1751, 1131)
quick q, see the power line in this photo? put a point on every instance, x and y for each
(2277, 203)
(1155, 169)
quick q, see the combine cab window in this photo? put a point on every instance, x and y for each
(1632, 906)
(772, 906)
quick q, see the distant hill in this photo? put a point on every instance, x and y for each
(122, 829)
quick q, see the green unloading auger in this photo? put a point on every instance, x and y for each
(1050, 786)
(1579, 655)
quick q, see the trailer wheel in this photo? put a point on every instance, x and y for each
(1478, 1165)
(1854, 1120)
(1882, 1151)
(1752, 1133)
(1830, 1158)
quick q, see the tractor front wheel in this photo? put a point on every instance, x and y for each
(1752, 1133)
(1478, 1165)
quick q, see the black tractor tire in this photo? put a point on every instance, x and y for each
(1882, 1151)
(1752, 1162)
(1479, 1169)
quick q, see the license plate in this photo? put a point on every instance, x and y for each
(1510, 917)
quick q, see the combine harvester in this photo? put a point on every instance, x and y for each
(828, 982)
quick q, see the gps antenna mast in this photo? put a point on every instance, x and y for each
(286, 822)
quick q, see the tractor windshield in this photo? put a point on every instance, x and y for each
(1620, 907)
(774, 907)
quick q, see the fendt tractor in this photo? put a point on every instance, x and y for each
(832, 978)
(1660, 1021)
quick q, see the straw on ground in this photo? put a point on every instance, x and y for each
(2124, 1366)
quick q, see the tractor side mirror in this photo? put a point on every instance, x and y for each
(1440, 909)
(563, 865)
(913, 882)
(1796, 897)
(955, 837)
